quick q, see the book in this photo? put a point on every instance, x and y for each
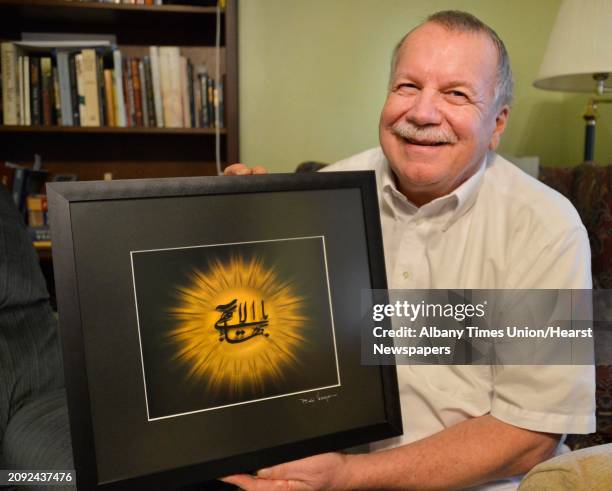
(74, 90)
(101, 91)
(155, 77)
(63, 71)
(143, 93)
(10, 86)
(191, 96)
(210, 103)
(46, 72)
(90, 86)
(150, 96)
(109, 97)
(36, 206)
(170, 76)
(57, 108)
(40, 234)
(128, 87)
(203, 77)
(120, 115)
(136, 84)
(185, 93)
(22, 73)
(78, 61)
(35, 90)
(221, 102)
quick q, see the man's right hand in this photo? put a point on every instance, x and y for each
(243, 170)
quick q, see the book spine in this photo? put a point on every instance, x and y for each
(25, 111)
(101, 90)
(35, 210)
(221, 96)
(10, 86)
(191, 91)
(46, 90)
(204, 97)
(150, 97)
(216, 104)
(185, 93)
(57, 106)
(128, 86)
(118, 86)
(21, 77)
(90, 88)
(35, 91)
(109, 97)
(210, 103)
(143, 94)
(63, 69)
(157, 94)
(74, 90)
(198, 94)
(170, 68)
(138, 89)
(78, 60)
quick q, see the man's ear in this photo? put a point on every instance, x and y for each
(500, 125)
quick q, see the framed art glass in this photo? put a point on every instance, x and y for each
(211, 325)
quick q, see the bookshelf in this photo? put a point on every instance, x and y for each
(132, 152)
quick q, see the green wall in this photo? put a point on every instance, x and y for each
(313, 76)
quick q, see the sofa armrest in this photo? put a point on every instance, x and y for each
(585, 469)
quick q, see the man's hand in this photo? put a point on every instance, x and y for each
(323, 471)
(475, 451)
(243, 170)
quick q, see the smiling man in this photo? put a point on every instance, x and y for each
(456, 215)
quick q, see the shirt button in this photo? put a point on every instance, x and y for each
(406, 275)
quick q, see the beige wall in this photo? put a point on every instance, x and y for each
(313, 78)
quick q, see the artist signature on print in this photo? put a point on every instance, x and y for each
(318, 398)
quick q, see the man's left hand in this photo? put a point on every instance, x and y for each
(323, 471)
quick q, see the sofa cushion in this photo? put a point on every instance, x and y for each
(581, 470)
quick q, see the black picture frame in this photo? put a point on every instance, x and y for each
(113, 361)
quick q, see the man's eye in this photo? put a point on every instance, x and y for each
(406, 86)
(458, 93)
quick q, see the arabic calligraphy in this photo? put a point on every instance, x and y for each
(244, 329)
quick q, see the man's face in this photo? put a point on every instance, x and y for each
(440, 118)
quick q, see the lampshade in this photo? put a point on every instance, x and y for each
(579, 47)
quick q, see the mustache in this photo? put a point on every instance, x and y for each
(425, 134)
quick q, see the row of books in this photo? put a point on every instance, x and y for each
(99, 86)
(150, 2)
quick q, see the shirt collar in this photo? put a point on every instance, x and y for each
(459, 201)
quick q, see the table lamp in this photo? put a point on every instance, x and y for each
(578, 58)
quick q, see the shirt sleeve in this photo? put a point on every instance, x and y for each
(549, 398)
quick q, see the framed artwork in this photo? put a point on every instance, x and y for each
(211, 325)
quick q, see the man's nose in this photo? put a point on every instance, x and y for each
(424, 110)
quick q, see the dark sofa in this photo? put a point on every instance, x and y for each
(33, 415)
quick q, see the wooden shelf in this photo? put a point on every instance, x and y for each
(184, 9)
(105, 130)
(182, 25)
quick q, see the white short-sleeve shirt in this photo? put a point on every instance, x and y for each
(501, 229)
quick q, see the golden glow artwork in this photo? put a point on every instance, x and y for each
(238, 327)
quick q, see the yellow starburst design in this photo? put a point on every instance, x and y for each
(251, 366)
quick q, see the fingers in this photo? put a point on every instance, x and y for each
(250, 483)
(258, 169)
(243, 170)
(237, 170)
